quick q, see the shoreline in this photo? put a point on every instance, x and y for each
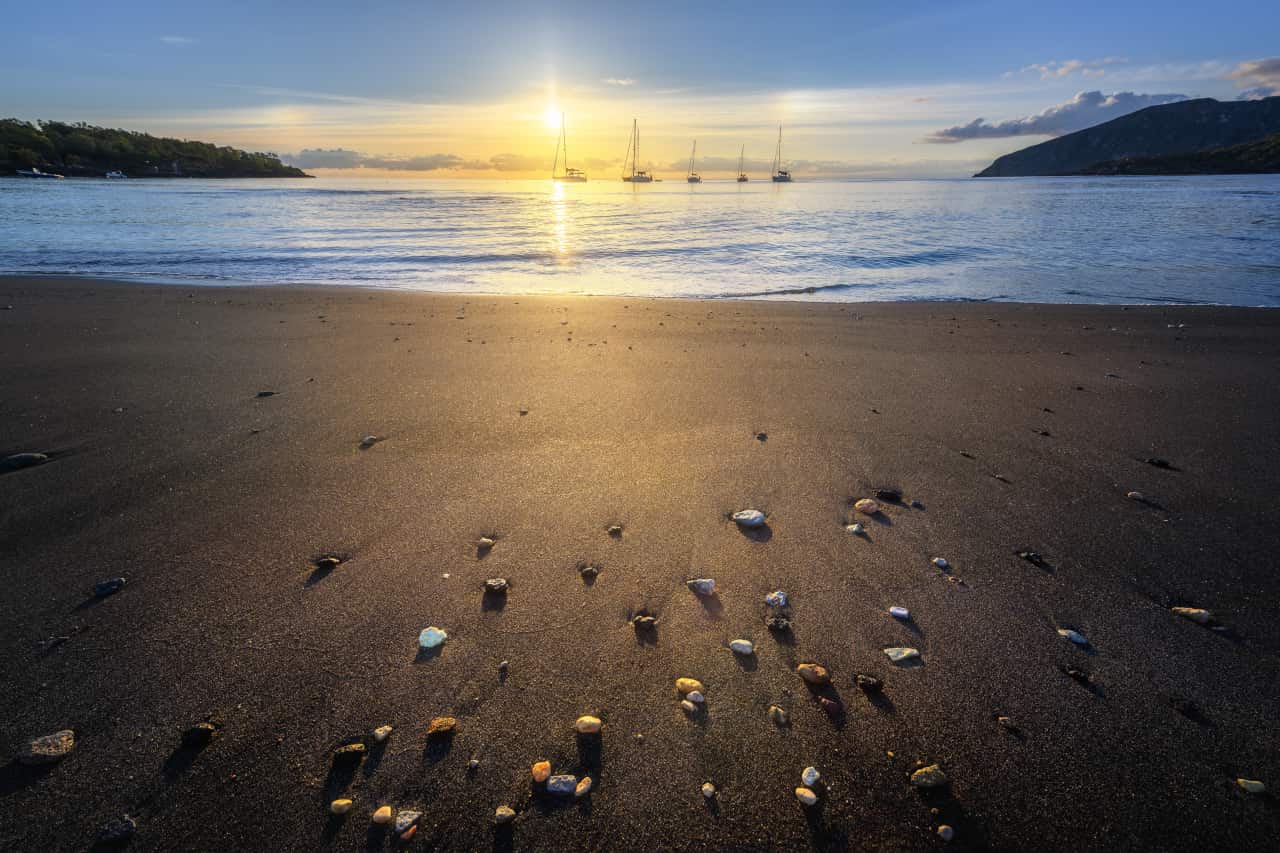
(542, 421)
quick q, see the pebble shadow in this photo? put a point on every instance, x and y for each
(711, 604)
(763, 533)
(493, 602)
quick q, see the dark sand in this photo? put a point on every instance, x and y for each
(168, 470)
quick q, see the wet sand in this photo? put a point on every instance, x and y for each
(541, 421)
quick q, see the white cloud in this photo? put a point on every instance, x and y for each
(1260, 78)
(1083, 67)
(618, 81)
(177, 41)
(1084, 110)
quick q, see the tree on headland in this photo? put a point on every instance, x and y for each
(86, 150)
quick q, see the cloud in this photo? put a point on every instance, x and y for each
(1260, 78)
(343, 158)
(177, 41)
(1084, 110)
(1083, 67)
(517, 163)
(618, 81)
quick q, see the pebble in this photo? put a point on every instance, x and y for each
(473, 765)
(1135, 496)
(813, 673)
(929, 777)
(589, 572)
(382, 815)
(563, 783)
(898, 654)
(806, 796)
(779, 716)
(541, 770)
(689, 707)
(941, 562)
(615, 530)
(780, 624)
(587, 725)
(810, 776)
(441, 727)
(915, 504)
(1074, 636)
(431, 637)
(199, 735)
(503, 666)
(708, 790)
(701, 586)
(328, 562)
(869, 683)
(742, 647)
(349, 754)
(495, 585)
(856, 529)
(688, 685)
(486, 543)
(899, 613)
(266, 393)
(1252, 786)
(406, 819)
(867, 506)
(644, 622)
(749, 517)
(340, 806)
(412, 830)
(695, 697)
(583, 787)
(946, 833)
(368, 441)
(1195, 614)
(504, 814)
(831, 707)
(108, 587)
(777, 598)
(381, 733)
(117, 830)
(25, 460)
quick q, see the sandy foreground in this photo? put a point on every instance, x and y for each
(541, 422)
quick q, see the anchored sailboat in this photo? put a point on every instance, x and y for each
(780, 175)
(573, 176)
(693, 177)
(742, 176)
(635, 176)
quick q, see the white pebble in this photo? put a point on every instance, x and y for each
(695, 697)
(742, 647)
(431, 637)
(504, 814)
(856, 529)
(899, 612)
(702, 586)
(777, 598)
(381, 733)
(898, 654)
(941, 562)
(708, 790)
(689, 707)
(749, 517)
(1074, 636)
(810, 776)
(563, 783)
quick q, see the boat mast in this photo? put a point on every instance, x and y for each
(565, 137)
(777, 154)
(741, 154)
(556, 161)
(692, 154)
(635, 149)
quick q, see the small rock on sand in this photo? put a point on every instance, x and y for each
(749, 517)
(504, 814)
(778, 624)
(563, 783)
(23, 460)
(742, 647)
(688, 707)
(615, 530)
(1252, 786)
(108, 587)
(406, 819)
(806, 796)
(644, 622)
(587, 725)
(432, 637)
(899, 613)
(701, 586)
(929, 777)
(695, 697)
(867, 506)
(583, 787)
(946, 833)
(777, 598)
(779, 716)
(813, 673)
(381, 733)
(199, 735)
(855, 529)
(349, 754)
(368, 441)
(898, 654)
(382, 815)
(708, 790)
(341, 806)
(868, 683)
(1135, 496)
(688, 685)
(495, 586)
(1074, 636)
(589, 572)
(485, 544)
(442, 727)
(1195, 614)
(541, 771)
(328, 562)
(117, 830)
(941, 562)
(810, 776)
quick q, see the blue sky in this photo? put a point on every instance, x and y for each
(864, 88)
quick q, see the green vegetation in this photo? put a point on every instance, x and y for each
(1251, 158)
(84, 150)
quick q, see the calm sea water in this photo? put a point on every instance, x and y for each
(1202, 239)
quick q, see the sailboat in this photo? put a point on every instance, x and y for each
(573, 176)
(780, 175)
(694, 177)
(635, 176)
(742, 176)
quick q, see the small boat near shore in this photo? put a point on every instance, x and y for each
(569, 175)
(636, 175)
(115, 175)
(780, 175)
(742, 176)
(693, 177)
(33, 172)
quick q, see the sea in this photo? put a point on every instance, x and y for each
(1208, 239)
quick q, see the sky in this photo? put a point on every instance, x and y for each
(909, 88)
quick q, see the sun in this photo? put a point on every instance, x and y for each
(552, 117)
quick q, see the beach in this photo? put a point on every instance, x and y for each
(543, 421)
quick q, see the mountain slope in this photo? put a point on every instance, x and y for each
(1179, 128)
(1251, 158)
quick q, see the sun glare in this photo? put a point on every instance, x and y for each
(551, 117)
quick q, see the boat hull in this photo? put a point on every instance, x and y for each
(638, 180)
(569, 179)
